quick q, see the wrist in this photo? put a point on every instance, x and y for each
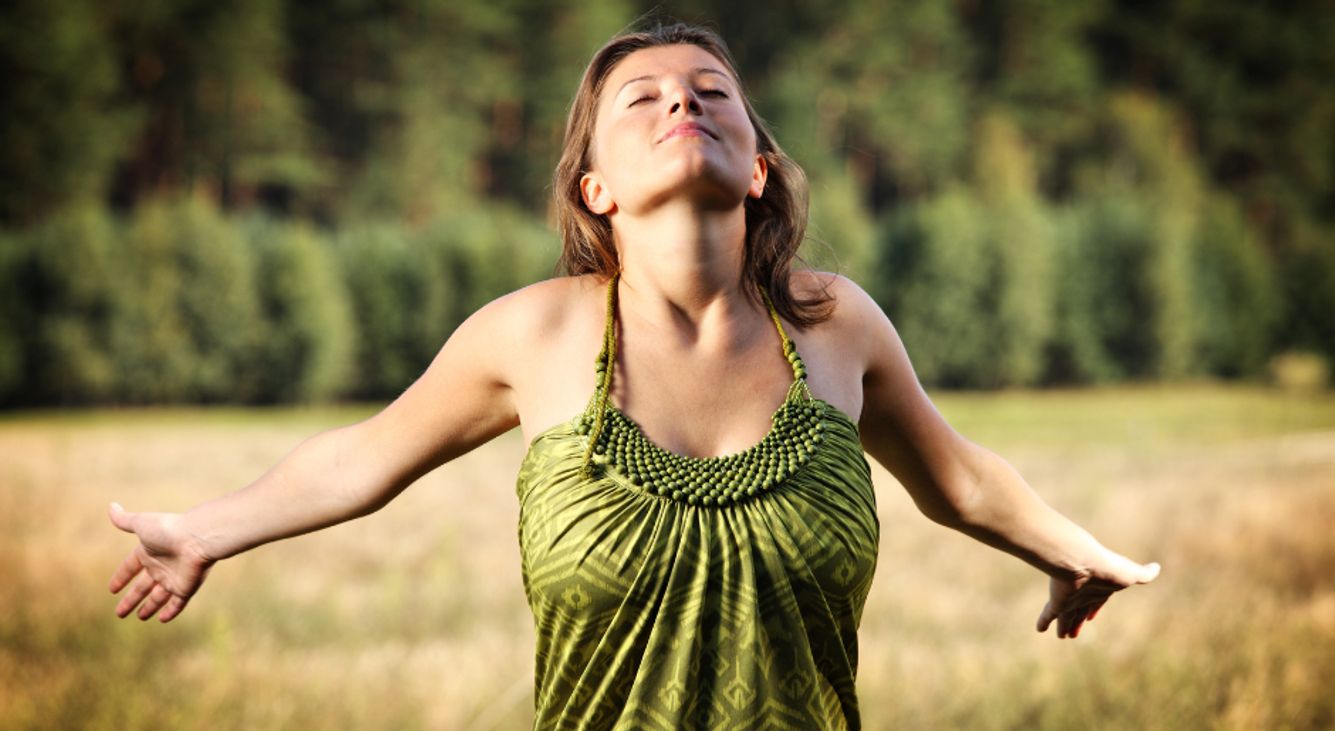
(199, 540)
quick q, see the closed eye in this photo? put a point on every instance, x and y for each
(715, 91)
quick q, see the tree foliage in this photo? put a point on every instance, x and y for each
(283, 200)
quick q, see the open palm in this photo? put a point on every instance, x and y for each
(168, 563)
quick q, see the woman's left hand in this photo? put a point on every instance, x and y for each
(1075, 600)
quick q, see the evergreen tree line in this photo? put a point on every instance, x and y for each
(179, 303)
(274, 200)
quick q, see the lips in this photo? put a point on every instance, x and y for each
(687, 128)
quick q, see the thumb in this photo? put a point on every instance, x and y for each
(1126, 572)
(121, 518)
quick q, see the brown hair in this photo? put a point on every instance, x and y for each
(775, 223)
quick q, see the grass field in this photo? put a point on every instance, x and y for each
(415, 616)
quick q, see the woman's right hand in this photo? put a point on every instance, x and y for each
(169, 562)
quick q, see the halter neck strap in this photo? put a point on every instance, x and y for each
(604, 365)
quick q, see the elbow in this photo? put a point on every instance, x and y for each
(353, 482)
(949, 512)
(956, 498)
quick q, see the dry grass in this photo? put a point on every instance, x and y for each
(415, 617)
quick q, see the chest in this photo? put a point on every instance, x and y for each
(686, 403)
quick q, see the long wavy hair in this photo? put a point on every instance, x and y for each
(776, 222)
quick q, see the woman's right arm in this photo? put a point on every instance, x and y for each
(463, 400)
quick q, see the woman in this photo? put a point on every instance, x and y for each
(697, 524)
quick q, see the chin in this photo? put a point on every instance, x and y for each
(699, 180)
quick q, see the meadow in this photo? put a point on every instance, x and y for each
(415, 617)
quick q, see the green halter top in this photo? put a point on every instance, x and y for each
(672, 592)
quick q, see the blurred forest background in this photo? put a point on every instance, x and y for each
(264, 202)
(271, 201)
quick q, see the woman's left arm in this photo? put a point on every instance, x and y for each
(963, 486)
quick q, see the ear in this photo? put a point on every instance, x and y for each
(759, 174)
(597, 198)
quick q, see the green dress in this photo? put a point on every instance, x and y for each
(671, 592)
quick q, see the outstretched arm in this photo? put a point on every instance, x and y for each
(966, 487)
(460, 402)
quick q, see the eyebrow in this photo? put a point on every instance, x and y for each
(650, 77)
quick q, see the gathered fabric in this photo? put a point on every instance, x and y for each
(672, 592)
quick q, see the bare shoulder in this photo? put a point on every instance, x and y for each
(530, 317)
(531, 337)
(840, 350)
(536, 307)
(855, 318)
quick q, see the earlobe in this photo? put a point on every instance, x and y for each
(597, 198)
(759, 174)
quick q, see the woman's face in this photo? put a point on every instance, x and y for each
(670, 124)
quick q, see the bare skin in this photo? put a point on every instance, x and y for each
(526, 360)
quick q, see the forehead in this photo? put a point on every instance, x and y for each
(681, 59)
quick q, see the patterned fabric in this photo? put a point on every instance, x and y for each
(655, 613)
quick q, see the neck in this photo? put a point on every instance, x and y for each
(681, 272)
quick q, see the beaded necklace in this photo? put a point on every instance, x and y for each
(615, 443)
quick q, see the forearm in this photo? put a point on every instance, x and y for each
(1001, 510)
(318, 484)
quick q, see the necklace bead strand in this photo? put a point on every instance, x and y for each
(615, 443)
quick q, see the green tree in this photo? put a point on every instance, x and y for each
(70, 278)
(489, 252)
(1033, 62)
(1019, 236)
(1240, 302)
(406, 114)
(64, 123)
(219, 116)
(306, 349)
(16, 318)
(190, 315)
(883, 89)
(842, 233)
(399, 299)
(1104, 299)
(1146, 166)
(936, 274)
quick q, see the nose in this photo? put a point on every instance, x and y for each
(682, 96)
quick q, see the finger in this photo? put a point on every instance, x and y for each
(1072, 618)
(1095, 610)
(121, 518)
(156, 598)
(136, 594)
(127, 570)
(1149, 572)
(1045, 618)
(175, 606)
(1070, 621)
